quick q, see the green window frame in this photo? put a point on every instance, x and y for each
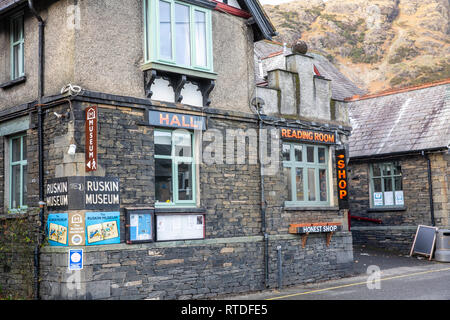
(17, 46)
(386, 185)
(306, 173)
(175, 168)
(173, 25)
(18, 172)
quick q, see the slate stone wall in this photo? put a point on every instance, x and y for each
(193, 269)
(399, 226)
(231, 257)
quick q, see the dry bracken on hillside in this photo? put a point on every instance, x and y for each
(378, 44)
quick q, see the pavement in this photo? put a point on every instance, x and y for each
(377, 275)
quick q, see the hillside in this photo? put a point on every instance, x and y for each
(378, 44)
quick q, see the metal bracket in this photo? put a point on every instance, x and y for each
(177, 83)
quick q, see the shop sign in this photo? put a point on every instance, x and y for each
(312, 136)
(176, 120)
(342, 181)
(102, 228)
(102, 193)
(305, 228)
(91, 138)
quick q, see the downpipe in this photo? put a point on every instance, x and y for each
(263, 208)
(40, 148)
(430, 188)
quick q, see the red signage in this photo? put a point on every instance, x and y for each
(308, 135)
(341, 172)
(91, 138)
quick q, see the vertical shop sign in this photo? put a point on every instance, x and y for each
(91, 138)
(341, 171)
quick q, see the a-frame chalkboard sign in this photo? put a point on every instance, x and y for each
(424, 241)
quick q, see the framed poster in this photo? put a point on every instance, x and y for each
(57, 227)
(180, 227)
(102, 228)
(140, 225)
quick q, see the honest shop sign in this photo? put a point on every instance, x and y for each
(304, 135)
(306, 228)
(176, 120)
(91, 138)
(342, 182)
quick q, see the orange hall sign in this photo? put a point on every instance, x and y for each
(305, 135)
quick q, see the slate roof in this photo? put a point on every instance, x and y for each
(9, 4)
(271, 55)
(411, 119)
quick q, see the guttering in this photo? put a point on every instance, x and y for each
(395, 154)
(40, 147)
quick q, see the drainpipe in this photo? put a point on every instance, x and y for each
(430, 188)
(40, 146)
(263, 206)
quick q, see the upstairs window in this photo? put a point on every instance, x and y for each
(16, 46)
(178, 34)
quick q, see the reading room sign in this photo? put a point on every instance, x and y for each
(305, 135)
(176, 120)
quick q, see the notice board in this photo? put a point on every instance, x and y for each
(180, 227)
(424, 241)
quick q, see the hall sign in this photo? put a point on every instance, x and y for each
(83, 193)
(342, 181)
(305, 135)
(306, 228)
(176, 120)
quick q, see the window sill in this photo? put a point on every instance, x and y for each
(180, 210)
(12, 83)
(386, 209)
(180, 70)
(297, 208)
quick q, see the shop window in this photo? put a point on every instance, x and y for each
(17, 172)
(17, 46)
(178, 34)
(305, 169)
(175, 183)
(386, 186)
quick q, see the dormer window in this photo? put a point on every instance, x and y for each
(178, 35)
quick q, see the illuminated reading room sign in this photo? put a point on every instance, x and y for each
(176, 120)
(305, 135)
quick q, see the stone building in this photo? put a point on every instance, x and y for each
(134, 131)
(399, 164)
